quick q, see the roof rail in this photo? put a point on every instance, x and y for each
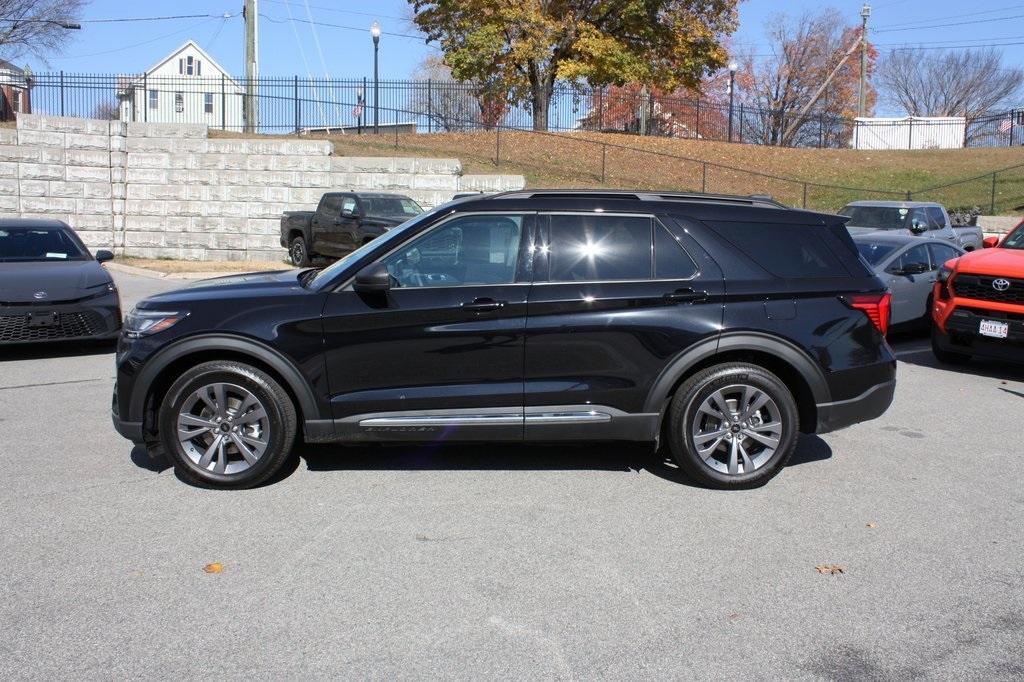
(641, 195)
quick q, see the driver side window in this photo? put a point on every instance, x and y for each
(476, 249)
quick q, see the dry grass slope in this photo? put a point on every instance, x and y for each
(577, 159)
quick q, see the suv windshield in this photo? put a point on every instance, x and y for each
(880, 217)
(391, 207)
(20, 244)
(1015, 240)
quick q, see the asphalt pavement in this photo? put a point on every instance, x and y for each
(527, 562)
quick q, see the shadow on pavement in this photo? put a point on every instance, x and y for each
(623, 457)
(56, 349)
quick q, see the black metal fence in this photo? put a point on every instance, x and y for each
(293, 104)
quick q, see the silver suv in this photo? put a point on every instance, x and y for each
(920, 218)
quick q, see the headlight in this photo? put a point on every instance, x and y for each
(146, 322)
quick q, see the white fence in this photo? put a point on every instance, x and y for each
(910, 132)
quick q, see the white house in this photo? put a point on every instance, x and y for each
(186, 86)
(15, 85)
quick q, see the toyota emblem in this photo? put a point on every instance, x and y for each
(39, 295)
(1000, 284)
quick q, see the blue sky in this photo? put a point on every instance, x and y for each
(345, 50)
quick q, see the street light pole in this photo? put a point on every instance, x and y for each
(732, 89)
(375, 32)
(865, 12)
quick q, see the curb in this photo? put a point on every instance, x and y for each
(154, 274)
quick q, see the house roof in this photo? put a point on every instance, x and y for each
(203, 53)
(7, 66)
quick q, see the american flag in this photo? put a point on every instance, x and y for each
(357, 110)
(1006, 125)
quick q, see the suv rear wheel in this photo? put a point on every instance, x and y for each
(227, 425)
(733, 426)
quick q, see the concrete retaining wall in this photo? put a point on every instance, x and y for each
(165, 190)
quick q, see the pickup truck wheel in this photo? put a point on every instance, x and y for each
(733, 426)
(227, 425)
(298, 252)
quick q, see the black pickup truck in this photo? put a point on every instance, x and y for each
(342, 222)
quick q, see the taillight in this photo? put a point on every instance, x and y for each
(875, 306)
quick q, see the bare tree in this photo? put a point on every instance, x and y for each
(954, 83)
(789, 106)
(449, 104)
(36, 26)
(107, 111)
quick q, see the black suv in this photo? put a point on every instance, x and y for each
(722, 326)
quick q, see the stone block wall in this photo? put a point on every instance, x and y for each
(165, 190)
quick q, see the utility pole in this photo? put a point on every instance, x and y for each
(865, 12)
(252, 68)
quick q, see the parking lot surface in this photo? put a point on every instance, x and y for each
(486, 561)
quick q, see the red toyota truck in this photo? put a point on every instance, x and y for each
(979, 303)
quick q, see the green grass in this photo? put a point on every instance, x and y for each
(575, 160)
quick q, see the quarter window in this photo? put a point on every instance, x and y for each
(942, 253)
(596, 248)
(792, 251)
(670, 260)
(936, 221)
(475, 249)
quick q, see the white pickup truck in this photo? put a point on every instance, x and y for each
(921, 218)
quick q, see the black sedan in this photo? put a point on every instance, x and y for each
(51, 287)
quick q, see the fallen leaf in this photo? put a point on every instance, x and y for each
(872, 524)
(830, 569)
(735, 616)
(215, 567)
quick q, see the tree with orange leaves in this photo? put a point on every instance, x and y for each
(777, 88)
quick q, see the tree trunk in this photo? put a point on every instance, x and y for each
(542, 86)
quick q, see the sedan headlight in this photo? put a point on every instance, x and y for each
(145, 322)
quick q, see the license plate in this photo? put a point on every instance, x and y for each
(42, 320)
(998, 330)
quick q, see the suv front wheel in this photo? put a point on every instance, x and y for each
(227, 425)
(733, 426)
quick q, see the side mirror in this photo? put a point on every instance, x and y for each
(918, 227)
(374, 278)
(103, 255)
(990, 242)
(349, 212)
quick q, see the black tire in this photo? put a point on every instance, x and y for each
(685, 412)
(948, 357)
(298, 252)
(280, 420)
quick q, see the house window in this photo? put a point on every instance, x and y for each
(17, 100)
(208, 102)
(190, 67)
(154, 99)
(179, 102)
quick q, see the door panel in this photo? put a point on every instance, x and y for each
(910, 292)
(444, 346)
(603, 343)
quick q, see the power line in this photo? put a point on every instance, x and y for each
(139, 44)
(958, 23)
(343, 11)
(361, 29)
(225, 15)
(956, 16)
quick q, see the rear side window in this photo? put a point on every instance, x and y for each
(936, 221)
(670, 261)
(596, 248)
(332, 204)
(791, 251)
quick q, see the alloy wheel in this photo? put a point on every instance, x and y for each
(298, 252)
(223, 428)
(737, 429)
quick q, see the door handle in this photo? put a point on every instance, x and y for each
(686, 295)
(483, 305)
